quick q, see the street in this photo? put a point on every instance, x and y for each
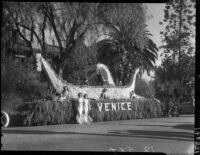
(168, 135)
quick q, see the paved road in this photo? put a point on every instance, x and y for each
(169, 135)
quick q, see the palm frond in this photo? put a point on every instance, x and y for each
(149, 54)
(153, 45)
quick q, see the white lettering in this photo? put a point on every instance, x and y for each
(129, 105)
(122, 106)
(113, 106)
(100, 106)
(106, 106)
(118, 106)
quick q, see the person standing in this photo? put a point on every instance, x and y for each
(79, 117)
(86, 108)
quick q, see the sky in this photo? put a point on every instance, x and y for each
(156, 11)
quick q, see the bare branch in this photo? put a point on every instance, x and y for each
(32, 31)
(21, 35)
(52, 21)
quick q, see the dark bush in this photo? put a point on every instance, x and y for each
(9, 102)
(20, 83)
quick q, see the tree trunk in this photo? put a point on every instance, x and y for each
(32, 53)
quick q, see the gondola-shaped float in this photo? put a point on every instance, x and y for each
(93, 92)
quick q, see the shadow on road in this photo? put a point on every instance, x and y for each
(180, 136)
(184, 126)
(180, 126)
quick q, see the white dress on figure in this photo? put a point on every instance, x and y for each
(80, 117)
(86, 109)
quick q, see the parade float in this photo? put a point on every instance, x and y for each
(121, 102)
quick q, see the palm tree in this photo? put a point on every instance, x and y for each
(128, 53)
(128, 44)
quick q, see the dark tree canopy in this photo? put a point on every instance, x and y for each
(128, 44)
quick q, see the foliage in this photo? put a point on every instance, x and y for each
(144, 88)
(46, 112)
(179, 22)
(178, 65)
(19, 83)
(128, 44)
(167, 78)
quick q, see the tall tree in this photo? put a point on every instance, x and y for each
(128, 44)
(179, 22)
